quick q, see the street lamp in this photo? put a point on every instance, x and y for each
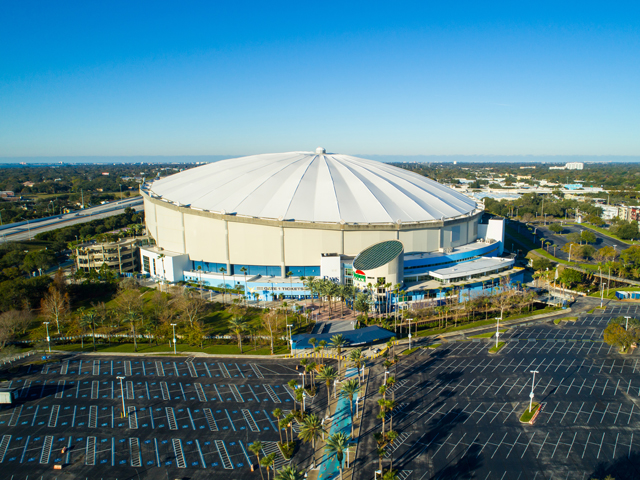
(626, 326)
(174, 338)
(497, 330)
(570, 247)
(602, 295)
(46, 324)
(289, 327)
(124, 411)
(533, 383)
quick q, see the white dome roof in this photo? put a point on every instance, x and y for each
(314, 187)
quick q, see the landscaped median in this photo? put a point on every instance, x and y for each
(529, 416)
(568, 319)
(488, 334)
(496, 349)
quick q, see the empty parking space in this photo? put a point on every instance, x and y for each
(179, 417)
(458, 407)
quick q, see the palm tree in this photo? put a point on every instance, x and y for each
(322, 344)
(268, 461)
(238, 324)
(294, 386)
(256, 447)
(313, 341)
(246, 292)
(88, 319)
(132, 317)
(328, 375)
(311, 367)
(278, 413)
(337, 342)
(289, 423)
(310, 430)
(336, 445)
(289, 472)
(356, 357)
(391, 436)
(284, 425)
(390, 475)
(224, 283)
(350, 388)
(161, 257)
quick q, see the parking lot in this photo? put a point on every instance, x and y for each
(458, 408)
(186, 418)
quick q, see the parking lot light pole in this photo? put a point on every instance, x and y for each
(174, 338)
(289, 327)
(602, 295)
(302, 375)
(497, 330)
(46, 324)
(626, 325)
(124, 411)
(533, 383)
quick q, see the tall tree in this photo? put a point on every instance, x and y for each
(55, 305)
(311, 430)
(351, 388)
(336, 445)
(256, 448)
(238, 325)
(328, 375)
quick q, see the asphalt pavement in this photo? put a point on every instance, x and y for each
(186, 417)
(458, 407)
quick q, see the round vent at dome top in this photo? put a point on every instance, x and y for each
(377, 255)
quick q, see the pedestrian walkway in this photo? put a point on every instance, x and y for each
(341, 422)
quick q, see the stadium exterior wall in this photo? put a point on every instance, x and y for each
(230, 239)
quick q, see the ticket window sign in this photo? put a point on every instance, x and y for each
(359, 276)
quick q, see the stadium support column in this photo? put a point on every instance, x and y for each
(282, 260)
(226, 246)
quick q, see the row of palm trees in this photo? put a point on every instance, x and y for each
(330, 292)
(311, 430)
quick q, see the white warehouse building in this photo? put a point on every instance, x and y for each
(261, 222)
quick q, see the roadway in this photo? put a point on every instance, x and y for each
(560, 240)
(27, 230)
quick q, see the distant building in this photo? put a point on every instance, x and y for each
(524, 168)
(570, 166)
(609, 212)
(121, 256)
(28, 184)
(574, 166)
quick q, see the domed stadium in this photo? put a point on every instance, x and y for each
(273, 218)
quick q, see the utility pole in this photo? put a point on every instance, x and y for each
(626, 326)
(82, 196)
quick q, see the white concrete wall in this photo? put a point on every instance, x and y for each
(331, 268)
(204, 239)
(173, 265)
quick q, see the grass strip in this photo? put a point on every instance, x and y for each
(568, 319)
(495, 349)
(528, 415)
(410, 351)
(487, 335)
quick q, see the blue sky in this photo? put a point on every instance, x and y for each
(387, 78)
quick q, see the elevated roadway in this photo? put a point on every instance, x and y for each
(27, 230)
